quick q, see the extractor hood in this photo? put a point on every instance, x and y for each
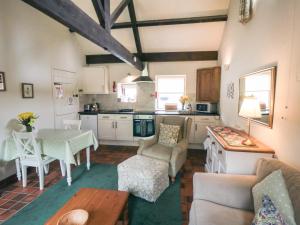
(145, 75)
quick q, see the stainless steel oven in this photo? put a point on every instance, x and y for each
(143, 125)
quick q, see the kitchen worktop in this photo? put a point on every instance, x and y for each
(193, 113)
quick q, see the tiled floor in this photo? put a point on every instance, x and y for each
(13, 197)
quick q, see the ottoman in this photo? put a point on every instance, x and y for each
(143, 177)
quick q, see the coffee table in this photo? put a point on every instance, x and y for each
(105, 207)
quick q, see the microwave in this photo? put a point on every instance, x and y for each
(206, 107)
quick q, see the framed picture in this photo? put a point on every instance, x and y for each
(27, 90)
(2, 82)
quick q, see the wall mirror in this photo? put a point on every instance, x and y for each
(261, 85)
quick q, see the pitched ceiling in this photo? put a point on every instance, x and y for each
(170, 38)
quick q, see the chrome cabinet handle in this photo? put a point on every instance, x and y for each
(196, 126)
(220, 152)
(123, 117)
(116, 124)
(113, 125)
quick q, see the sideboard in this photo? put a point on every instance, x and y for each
(227, 154)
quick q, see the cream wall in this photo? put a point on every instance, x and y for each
(270, 38)
(119, 71)
(33, 45)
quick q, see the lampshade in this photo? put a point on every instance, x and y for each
(250, 108)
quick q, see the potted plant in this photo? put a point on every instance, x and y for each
(184, 99)
(27, 119)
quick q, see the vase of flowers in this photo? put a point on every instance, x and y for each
(27, 119)
(183, 99)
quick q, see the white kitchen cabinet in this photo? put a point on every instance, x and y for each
(89, 122)
(124, 127)
(106, 128)
(198, 129)
(95, 80)
(115, 127)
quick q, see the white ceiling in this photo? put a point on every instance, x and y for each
(171, 38)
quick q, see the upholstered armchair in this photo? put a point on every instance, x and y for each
(176, 155)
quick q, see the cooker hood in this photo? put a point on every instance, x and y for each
(145, 75)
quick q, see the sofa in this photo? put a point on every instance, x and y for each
(224, 199)
(175, 156)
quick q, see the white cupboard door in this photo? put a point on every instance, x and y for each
(89, 122)
(124, 130)
(95, 80)
(192, 133)
(200, 132)
(107, 129)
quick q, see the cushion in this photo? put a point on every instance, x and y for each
(268, 214)
(168, 134)
(158, 151)
(291, 177)
(207, 213)
(274, 186)
(178, 121)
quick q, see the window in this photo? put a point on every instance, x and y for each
(169, 88)
(127, 92)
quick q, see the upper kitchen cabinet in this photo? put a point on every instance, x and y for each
(208, 84)
(95, 80)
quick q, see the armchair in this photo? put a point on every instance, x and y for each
(175, 156)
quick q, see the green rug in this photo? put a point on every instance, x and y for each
(165, 211)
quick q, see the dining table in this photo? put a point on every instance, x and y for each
(60, 144)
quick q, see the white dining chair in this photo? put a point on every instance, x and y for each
(30, 156)
(72, 125)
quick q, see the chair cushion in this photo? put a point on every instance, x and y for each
(168, 134)
(158, 151)
(291, 177)
(268, 214)
(207, 213)
(178, 121)
(274, 187)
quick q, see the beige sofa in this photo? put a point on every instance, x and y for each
(175, 156)
(223, 199)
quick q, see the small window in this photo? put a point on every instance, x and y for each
(169, 89)
(127, 92)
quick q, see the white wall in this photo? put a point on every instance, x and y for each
(119, 71)
(34, 44)
(270, 38)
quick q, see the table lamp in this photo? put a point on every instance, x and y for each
(250, 109)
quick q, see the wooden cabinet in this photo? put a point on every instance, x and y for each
(95, 80)
(208, 84)
(89, 122)
(115, 127)
(224, 158)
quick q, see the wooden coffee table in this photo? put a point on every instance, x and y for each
(105, 207)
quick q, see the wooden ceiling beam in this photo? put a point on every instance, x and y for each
(98, 6)
(135, 29)
(117, 12)
(67, 13)
(158, 57)
(149, 23)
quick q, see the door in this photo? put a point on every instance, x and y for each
(200, 132)
(65, 98)
(208, 84)
(90, 122)
(106, 127)
(124, 130)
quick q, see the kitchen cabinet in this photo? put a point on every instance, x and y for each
(115, 127)
(198, 128)
(95, 80)
(208, 84)
(89, 122)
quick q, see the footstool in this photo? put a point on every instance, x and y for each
(143, 177)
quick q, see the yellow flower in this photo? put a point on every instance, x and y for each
(183, 99)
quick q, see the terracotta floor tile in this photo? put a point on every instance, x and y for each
(8, 204)
(7, 214)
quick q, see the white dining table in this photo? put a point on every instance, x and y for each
(57, 143)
